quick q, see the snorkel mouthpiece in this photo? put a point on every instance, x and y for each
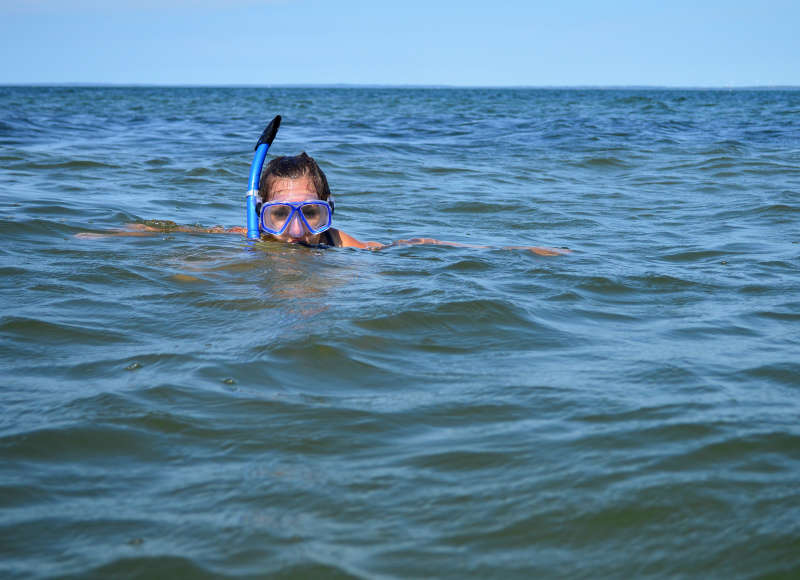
(255, 175)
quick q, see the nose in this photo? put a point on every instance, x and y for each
(296, 228)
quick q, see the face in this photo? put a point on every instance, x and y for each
(300, 189)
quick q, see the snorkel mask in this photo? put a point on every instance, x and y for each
(315, 216)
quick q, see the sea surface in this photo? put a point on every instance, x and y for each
(199, 406)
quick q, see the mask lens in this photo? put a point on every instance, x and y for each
(317, 216)
(275, 216)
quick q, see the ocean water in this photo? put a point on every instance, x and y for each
(198, 406)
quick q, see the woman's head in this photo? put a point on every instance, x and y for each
(293, 167)
(294, 179)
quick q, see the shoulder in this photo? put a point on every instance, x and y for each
(343, 240)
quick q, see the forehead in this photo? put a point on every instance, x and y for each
(286, 189)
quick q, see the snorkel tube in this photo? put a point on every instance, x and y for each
(255, 175)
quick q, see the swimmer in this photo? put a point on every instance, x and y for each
(295, 206)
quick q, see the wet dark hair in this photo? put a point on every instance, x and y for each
(293, 167)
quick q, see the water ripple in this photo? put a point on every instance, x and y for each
(202, 406)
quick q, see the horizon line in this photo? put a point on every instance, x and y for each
(395, 86)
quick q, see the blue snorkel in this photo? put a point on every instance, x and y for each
(255, 176)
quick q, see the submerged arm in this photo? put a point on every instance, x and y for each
(430, 241)
(152, 227)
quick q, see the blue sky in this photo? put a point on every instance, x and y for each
(505, 42)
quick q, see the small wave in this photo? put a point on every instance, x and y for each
(326, 365)
(461, 461)
(601, 163)
(82, 442)
(158, 161)
(605, 286)
(73, 165)
(724, 148)
(7, 271)
(46, 332)
(787, 373)
(31, 227)
(666, 283)
(778, 210)
(784, 316)
(468, 265)
(719, 162)
(655, 413)
(454, 327)
(725, 449)
(634, 100)
(453, 314)
(707, 331)
(53, 209)
(446, 170)
(693, 256)
(200, 172)
(664, 374)
(605, 316)
(760, 290)
(151, 567)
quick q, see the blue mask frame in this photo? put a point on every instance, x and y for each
(296, 211)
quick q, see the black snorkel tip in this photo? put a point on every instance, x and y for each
(269, 133)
